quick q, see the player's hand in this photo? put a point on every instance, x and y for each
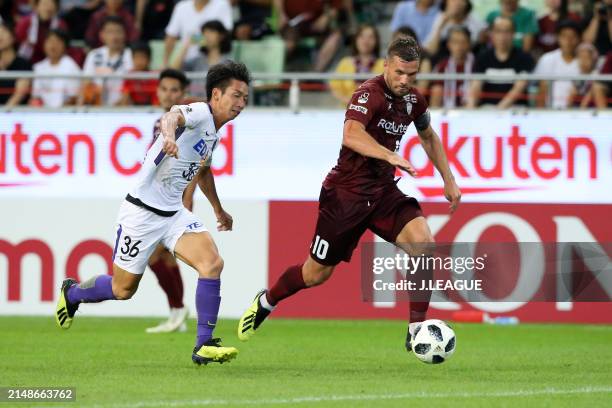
(398, 161)
(224, 221)
(170, 147)
(452, 194)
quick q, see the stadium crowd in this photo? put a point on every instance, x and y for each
(555, 37)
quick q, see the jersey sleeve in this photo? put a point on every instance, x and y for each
(421, 112)
(195, 114)
(364, 105)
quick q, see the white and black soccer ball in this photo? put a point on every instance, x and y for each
(433, 341)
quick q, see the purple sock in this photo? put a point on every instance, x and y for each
(207, 305)
(94, 290)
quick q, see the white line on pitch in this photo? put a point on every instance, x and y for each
(371, 397)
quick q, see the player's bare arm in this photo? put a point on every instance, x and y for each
(188, 193)
(356, 138)
(435, 151)
(206, 182)
(169, 122)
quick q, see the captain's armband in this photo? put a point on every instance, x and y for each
(422, 122)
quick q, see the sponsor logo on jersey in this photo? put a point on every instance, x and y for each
(408, 108)
(358, 108)
(397, 129)
(201, 148)
(363, 98)
(189, 173)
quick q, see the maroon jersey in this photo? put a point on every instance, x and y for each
(386, 118)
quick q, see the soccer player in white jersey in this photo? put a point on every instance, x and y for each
(171, 89)
(153, 211)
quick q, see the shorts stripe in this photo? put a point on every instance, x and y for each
(117, 241)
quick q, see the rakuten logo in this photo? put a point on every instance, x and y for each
(50, 154)
(392, 127)
(543, 157)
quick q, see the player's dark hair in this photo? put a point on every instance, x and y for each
(361, 29)
(61, 34)
(112, 20)
(175, 74)
(143, 47)
(220, 76)
(406, 49)
(405, 31)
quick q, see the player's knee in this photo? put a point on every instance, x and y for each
(316, 276)
(123, 292)
(211, 269)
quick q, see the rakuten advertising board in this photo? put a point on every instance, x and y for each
(63, 175)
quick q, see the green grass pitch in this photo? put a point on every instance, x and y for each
(320, 363)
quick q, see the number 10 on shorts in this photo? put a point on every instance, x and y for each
(320, 247)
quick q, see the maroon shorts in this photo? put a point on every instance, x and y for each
(345, 216)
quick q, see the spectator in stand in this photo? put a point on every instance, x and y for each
(56, 92)
(581, 93)
(253, 24)
(418, 14)
(502, 59)
(216, 47)
(152, 17)
(31, 31)
(111, 8)
(598, 25)
(425, 64)
(524, 20)
(187, 20)
(601, 90)
(454, 13)
(112, 57)
(561, 61)
(454, 93)
(13, 91)
(140, 91)
(547, 25)
(311, 18)
(76, 14)
(364, 58)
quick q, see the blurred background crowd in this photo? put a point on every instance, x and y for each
(492, 37)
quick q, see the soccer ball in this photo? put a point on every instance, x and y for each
(433, 341)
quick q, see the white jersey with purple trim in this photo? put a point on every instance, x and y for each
(162, 179)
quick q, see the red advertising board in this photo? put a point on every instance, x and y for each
(341, 297)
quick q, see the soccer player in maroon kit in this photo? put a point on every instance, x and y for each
(360, 193)
(171, 91)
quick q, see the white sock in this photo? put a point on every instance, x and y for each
(263, 301)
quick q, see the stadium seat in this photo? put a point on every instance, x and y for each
(264, 56)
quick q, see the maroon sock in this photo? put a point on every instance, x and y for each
(169, 278)
(418, 311)
(421, 298)
(290, 282)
